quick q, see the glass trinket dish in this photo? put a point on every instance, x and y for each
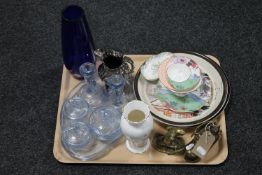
(105, 122)
(78, 135)
(90, 122)
(74, 109)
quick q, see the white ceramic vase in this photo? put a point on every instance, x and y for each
(137, 133)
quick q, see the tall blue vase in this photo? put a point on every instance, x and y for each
(77, 42)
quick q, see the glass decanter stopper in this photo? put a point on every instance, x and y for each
(91, 91)
(116, 83)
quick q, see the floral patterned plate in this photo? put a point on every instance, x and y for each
(165, 112)
(188, 103)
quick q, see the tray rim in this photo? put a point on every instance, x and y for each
(59, 156)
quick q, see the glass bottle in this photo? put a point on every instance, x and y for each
(91, 91)
(116, 84)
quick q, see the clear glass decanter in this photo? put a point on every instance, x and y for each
(91, 91)
(116, 84)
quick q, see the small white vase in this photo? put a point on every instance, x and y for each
(137, 133)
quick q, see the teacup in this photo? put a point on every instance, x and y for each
(180, 75)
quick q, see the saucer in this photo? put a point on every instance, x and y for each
(150, 68)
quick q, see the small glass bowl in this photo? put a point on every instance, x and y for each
(78, 135)
(75, 108)
(105, 122)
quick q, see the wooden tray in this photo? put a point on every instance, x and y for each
(120, 154)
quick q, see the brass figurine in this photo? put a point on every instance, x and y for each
(171, 143)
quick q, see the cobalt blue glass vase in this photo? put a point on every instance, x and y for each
(77, 42)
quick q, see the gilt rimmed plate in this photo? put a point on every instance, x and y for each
(162, 111)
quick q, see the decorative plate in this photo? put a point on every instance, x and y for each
(189, 103)
(168, 115)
